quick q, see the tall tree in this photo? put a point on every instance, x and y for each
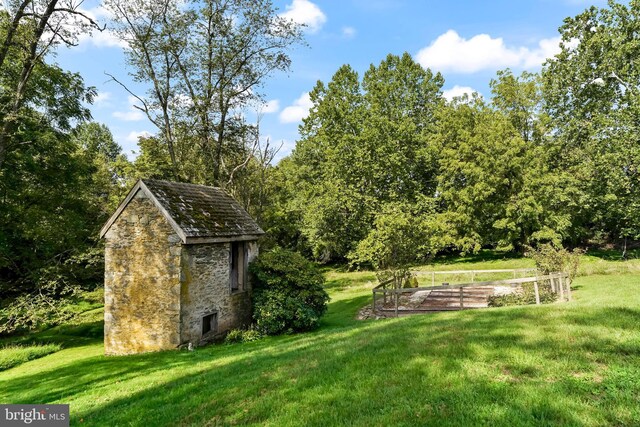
(29, 30)
(111, 173)
(364, 144)
(497, 185)
(520, 98)
(592, 92)
(206, 62)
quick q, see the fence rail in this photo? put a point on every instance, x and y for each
(558, 283)
(473, 273)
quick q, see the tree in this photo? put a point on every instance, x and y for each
(364, 144)
(401, 100)
(496, 184)
(481, 167)
(328, 169)
(402, 235)
(48, 208)
(111, 173)
(29, 30)
(520, 98)
(591, 91)
(49, 213)
(206, 62)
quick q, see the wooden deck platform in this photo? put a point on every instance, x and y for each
(401, 301)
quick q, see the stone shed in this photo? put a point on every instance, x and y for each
(176, 258)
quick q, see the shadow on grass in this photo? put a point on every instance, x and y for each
(337, 285)
(514, 366)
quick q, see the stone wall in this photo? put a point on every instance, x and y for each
(206, 289)
(142, 281)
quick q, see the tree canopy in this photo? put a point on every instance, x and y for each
(549, 157)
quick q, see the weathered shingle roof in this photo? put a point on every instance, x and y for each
(197, 212)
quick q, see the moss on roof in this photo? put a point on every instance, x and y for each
(202, 211)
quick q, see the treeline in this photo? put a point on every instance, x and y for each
(385, 166)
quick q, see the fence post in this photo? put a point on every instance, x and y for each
(568, 282)
(535, 288)
(561, 280)
(374, 302)
(461, 297)
(396, 302)
(384, 293)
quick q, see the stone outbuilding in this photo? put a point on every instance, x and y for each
(176, 258)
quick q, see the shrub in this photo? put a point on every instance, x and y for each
(242, 335)
(289, 295)
(549, 259)
(552, 259)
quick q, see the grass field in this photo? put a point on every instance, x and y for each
(574, 363)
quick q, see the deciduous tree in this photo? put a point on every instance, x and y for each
(206, 62)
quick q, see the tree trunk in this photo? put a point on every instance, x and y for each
(25, 75)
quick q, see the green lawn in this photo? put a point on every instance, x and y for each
(574, 363)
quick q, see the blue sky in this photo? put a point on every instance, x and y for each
(467, 41)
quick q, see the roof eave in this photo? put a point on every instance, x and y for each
(221, 239)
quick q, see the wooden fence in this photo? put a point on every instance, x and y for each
(473, 273)
(559, 284)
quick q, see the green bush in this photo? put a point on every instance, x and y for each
(15, 355)
(553, 259)
(289, 295)
(242, 335)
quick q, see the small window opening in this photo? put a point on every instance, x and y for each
(238, 266)
(210, 323)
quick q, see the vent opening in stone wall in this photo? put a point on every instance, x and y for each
(210, 324)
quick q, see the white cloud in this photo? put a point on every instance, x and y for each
(348, 32)
(102, 99)
(132, 114)
(272, 106)
(132, 137)
(450, 52)
(457, 91)
(298, 110)
(179, 100)
(547, 48)
(307, 13)
(104, 38)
